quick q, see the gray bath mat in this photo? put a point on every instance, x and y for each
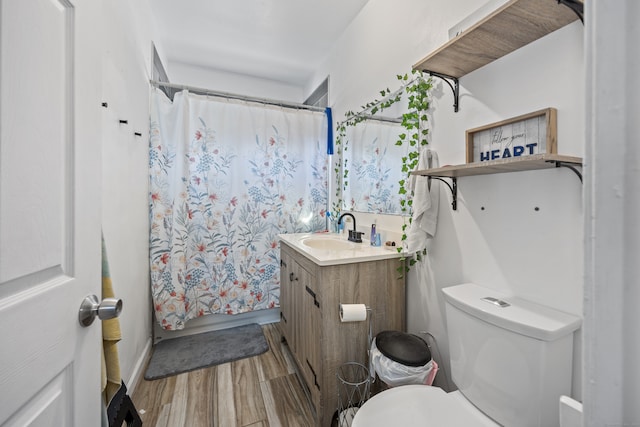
(184, 354)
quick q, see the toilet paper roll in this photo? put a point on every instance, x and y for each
(353, 312)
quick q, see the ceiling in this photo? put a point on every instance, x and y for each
(281, 40)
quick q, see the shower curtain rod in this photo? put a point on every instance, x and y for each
(201, 91)
(381, 118)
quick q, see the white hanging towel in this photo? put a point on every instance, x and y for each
(426, 199)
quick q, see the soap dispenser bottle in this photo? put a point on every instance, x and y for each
(372, 241)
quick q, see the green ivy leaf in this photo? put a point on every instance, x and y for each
(413, 121)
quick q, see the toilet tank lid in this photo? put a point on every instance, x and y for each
(520, 316)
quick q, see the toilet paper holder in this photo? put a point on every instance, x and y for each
(353, 313)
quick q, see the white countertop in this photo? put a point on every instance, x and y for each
(357, 252)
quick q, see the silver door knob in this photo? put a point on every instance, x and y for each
(92, 308)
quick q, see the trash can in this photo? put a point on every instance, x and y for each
(353, 391)
(399, 358)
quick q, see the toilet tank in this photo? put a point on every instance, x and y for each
(510, 357)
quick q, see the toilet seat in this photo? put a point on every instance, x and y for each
(420, 405)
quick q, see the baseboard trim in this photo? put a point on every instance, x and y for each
(139, 368)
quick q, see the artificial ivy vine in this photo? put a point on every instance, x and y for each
(416, 87)
(415, 121)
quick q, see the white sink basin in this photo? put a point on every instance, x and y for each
(330, 244)
(334, 249)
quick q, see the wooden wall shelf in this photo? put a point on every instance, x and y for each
(517, 164)
(512, 26)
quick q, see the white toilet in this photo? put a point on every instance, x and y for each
(510, 359)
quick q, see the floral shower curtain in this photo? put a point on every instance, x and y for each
(372, 158)
(226, 177)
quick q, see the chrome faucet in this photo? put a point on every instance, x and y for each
(354, 236)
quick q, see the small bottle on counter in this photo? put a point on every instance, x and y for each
(372, 240)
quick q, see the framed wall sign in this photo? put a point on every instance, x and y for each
(525, 135)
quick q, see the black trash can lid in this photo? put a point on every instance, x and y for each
(404, 348)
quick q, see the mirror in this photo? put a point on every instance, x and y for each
(371, 167)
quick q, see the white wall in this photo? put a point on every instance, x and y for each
(508, 246)
(216, 80)
(384, 40)
(126, 64)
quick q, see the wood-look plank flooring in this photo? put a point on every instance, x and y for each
(260, 391)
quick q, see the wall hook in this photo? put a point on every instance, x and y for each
(124, 122)
(105, 105)
(137, 133)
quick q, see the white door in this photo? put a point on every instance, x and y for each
(49, 211)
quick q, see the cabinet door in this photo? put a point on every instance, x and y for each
(312, 337)
(287, 308)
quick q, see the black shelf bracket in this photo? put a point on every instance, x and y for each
(568, 166)
(576, 6)
(454, 190)
(455, 87)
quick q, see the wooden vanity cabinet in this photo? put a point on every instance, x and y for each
(299, 316)
(310, 296)
(287, 301)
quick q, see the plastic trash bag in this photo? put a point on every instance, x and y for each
(395, 374)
